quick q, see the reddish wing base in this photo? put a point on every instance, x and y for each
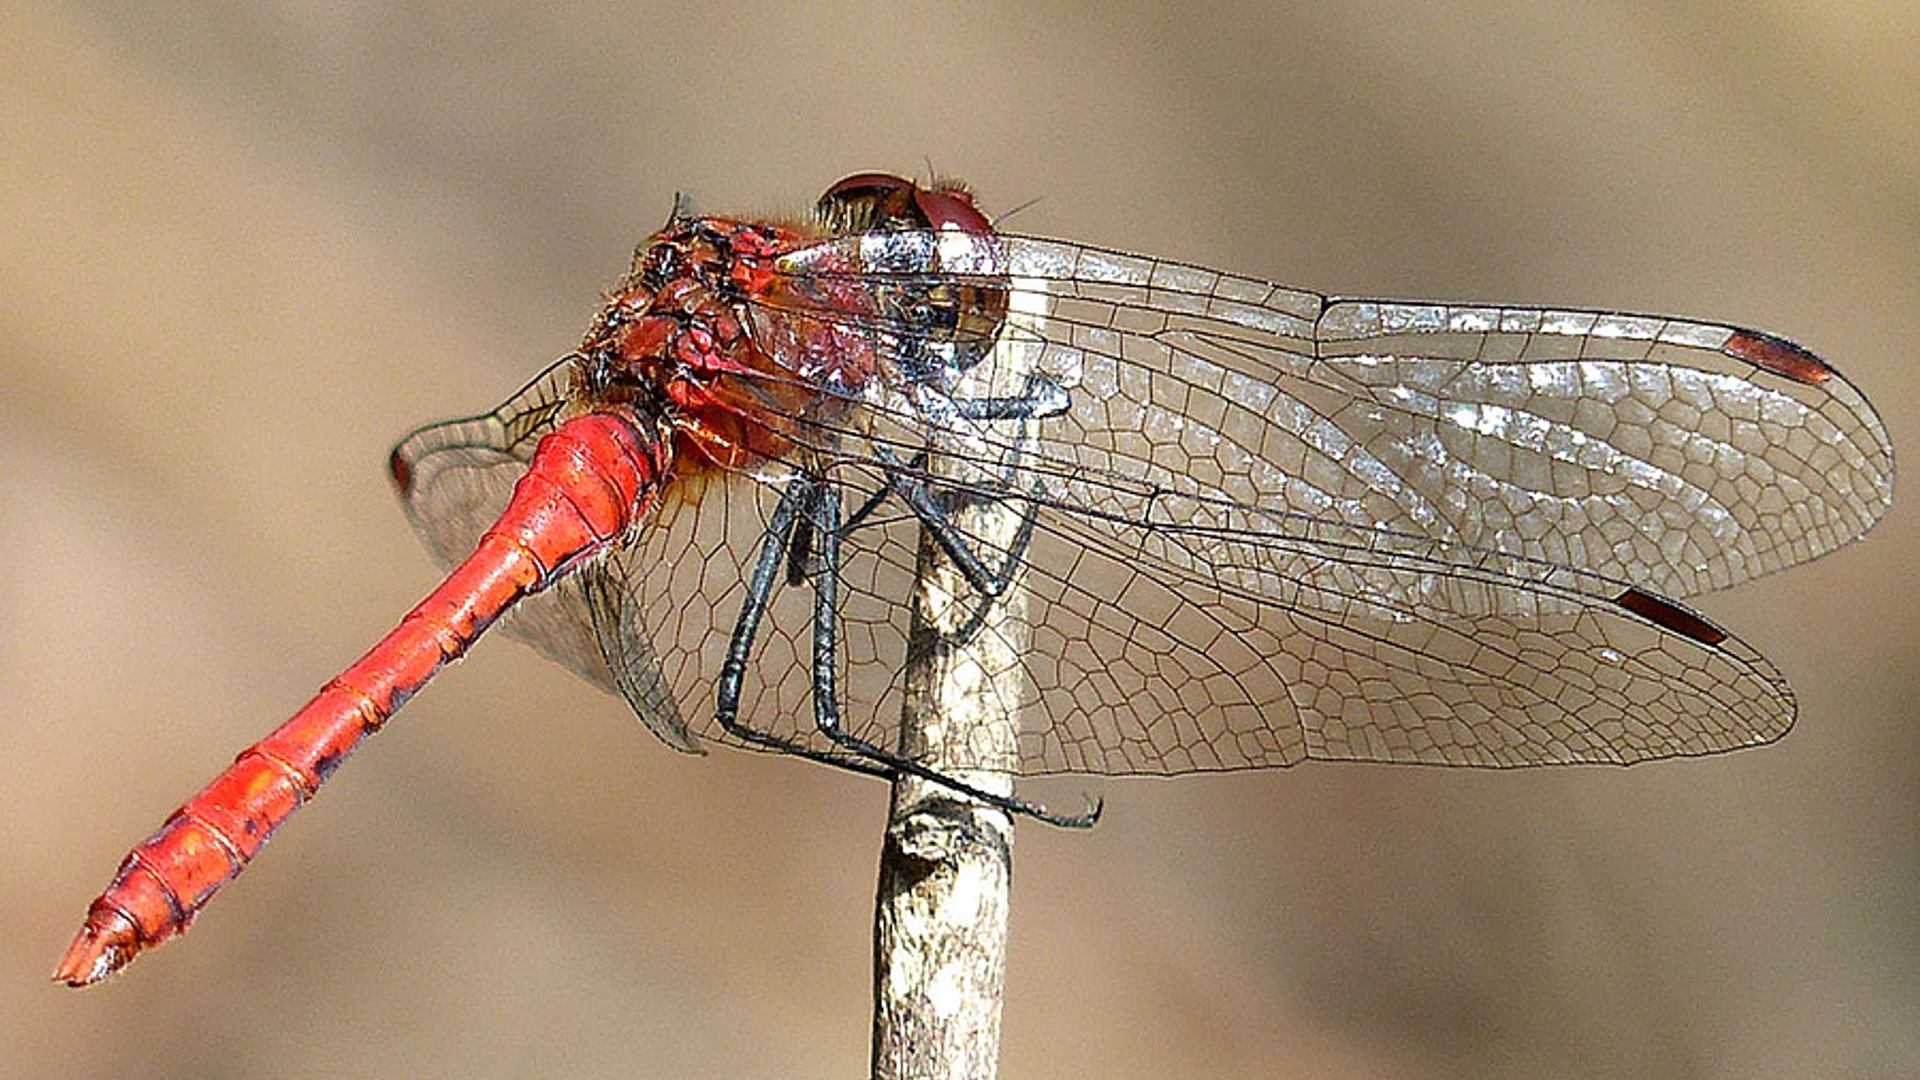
(589, 482)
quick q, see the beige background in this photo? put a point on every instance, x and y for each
(245, 246)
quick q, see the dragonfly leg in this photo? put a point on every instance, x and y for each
(826, 695)
(1039, 399)
(874, 501)
(906, 479)
(775, 550)
(811, 507)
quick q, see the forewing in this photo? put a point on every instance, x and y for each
(1681, 456)
(1677, 455)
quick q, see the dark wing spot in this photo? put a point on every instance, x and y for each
(1778, 355)
(400, 471)
(1671, 616)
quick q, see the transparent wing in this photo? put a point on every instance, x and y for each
(1260, 641)
(1250, 642)
(1680, 456)
(1272, 526)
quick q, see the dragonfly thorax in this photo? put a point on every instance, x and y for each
(675, 339)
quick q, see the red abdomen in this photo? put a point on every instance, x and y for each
(588, 483)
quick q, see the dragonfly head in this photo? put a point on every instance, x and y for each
(882, 202)
(938, 288)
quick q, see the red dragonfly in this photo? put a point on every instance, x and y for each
(1258, 525)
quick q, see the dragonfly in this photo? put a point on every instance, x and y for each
(1257, 525)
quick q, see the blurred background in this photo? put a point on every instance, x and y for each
(249, 245)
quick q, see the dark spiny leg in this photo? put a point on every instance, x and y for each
(826, 612)
(799, 550)
(1016, 554)
(826, 700)
(874, 500)
(989, 585)
(773, 552)
(1039, 399)
(759, 594)
(918, 496)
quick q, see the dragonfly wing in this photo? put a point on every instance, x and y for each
(1680, 456)
(1256, 641)
(1169, 636)
(1273, 527)
(604, 593)
(454, 478)
(652, 620)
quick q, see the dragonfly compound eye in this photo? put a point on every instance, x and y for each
(951, 208)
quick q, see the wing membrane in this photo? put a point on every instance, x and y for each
(1636, 447)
